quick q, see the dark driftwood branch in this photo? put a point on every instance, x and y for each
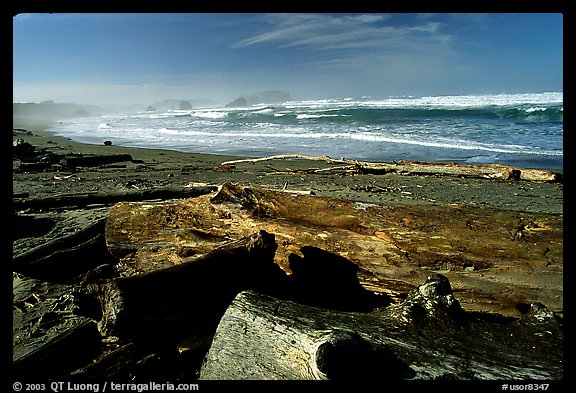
(88, 161)
(188, 297)
(427, 336)
(107, 198)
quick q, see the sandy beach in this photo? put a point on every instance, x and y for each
(44, 309)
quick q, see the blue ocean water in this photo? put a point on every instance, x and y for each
(524, 130)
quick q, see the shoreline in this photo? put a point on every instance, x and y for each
(170, 167)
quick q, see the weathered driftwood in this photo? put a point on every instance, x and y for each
(484, 171)
(66, 257)
(496, 259)
(106, 198)
(165, 303)
(403, 167)
(427, 336)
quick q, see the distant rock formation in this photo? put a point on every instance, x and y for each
(150, 109)
(238, 102)
(172, 104)
(263, 97)
(185, 105)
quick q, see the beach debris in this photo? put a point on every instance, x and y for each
(72, 177)
(326, 323)
(65, 257)
(34, 160)
(23, 149)
(290, 157)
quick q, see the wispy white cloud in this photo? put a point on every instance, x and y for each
(373, 32)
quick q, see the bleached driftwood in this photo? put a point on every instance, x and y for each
(426, 337)
(289, 157)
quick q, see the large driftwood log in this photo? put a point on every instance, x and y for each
(163, 304)
(495, 259)
(427, 336)
(482, 171)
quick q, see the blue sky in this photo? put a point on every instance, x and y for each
(142, 58)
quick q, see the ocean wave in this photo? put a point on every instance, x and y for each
(373, 114)
(554, 113)
(478, 128)
(302, 133)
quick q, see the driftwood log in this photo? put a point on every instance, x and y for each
(36, 161)
(427, 336)
(106, 198)
(497, 260)
(404, 167)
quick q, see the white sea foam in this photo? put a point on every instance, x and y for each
(210, 114)
(466, 101)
